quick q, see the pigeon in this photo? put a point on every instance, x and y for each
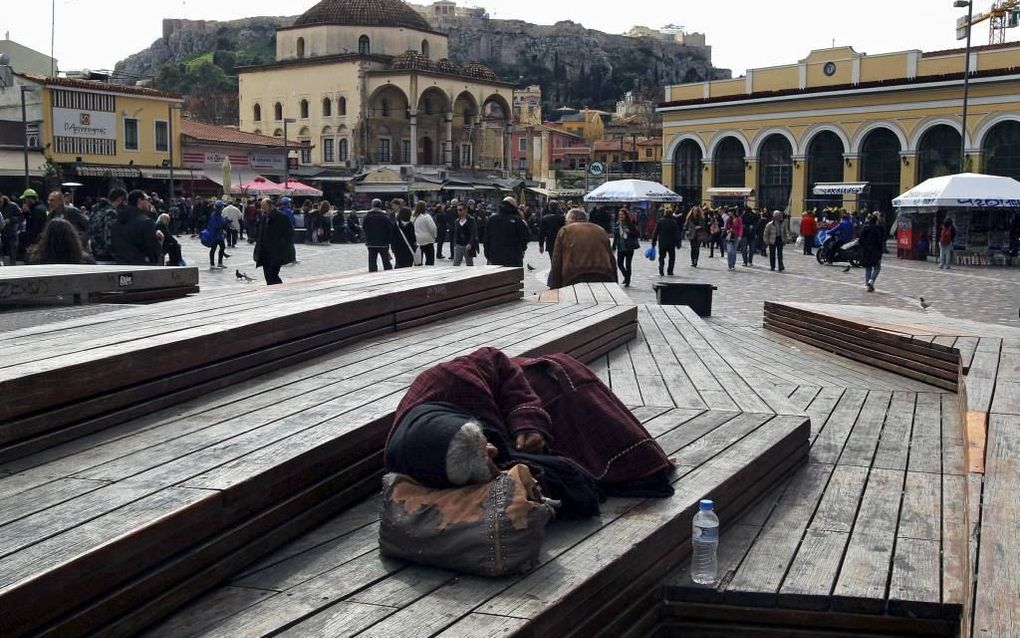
(924, 304)
(847, 269)
(530, 267)
(244, 276)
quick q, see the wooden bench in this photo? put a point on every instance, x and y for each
(596, 577)
(128, 363)
(987, 406)
(596, 293)
(135, 520)
(83, 284)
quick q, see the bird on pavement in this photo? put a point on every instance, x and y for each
(530, 267)
(924, 304)
(241, 275)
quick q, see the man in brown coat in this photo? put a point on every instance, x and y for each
(583, 253)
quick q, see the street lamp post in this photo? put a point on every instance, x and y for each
(286, 148)
(24, 121)
(170, 108)
(969, 4)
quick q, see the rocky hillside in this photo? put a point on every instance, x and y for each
(575, 66)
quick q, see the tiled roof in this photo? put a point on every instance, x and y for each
(95, 85)
(365, 13)
(222, 135)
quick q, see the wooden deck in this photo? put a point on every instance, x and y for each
(83, 284)
(63, 380)
(134, 520)
(986, 361)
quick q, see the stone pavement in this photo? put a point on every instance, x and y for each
(967, 292)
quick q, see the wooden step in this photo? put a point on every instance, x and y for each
(129, 522)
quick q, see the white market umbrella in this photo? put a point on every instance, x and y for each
(965, 190)
(631, 190)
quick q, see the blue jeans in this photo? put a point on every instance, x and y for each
(871, 272)
(731, 253)
(945, 256)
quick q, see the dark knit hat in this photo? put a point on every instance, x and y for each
(438, 445)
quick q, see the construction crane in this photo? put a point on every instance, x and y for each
(1004, 14)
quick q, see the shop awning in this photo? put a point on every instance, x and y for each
(383, 188)
(730, 191)
(426, 187)
(330, 178)
(540, 191)
(483, 187)
(840, 188)
(164, 173)
(458, 187)
(123, 172)
(12, 163)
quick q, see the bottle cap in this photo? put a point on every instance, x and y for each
(706, 504)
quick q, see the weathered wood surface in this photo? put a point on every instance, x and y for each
(253, 459)
(864, 528)
(123, 359)
(35, 283)
(597, 293)
(335, 578)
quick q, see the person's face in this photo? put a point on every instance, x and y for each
(621, 215)
(461, 211)
(144, 204)
(55, 201)
(266, 206)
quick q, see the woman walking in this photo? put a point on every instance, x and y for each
(733, 234)
(404, 242)
(947, 235)
(217, 236)
(872, 240)
(625, 242)
(425, 233)
(695, 230)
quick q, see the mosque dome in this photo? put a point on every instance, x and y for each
(363, 13)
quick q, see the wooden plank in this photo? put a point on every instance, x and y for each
(863, 439)
(207, 610)
(861, 585)
(828, 445)
(915, 586)
(894, 446)
(810, 578)
(998, 564)
(954, 445)
(838, 507)
(30, 283)
(926, 441)
(955, 557)
(342, 619)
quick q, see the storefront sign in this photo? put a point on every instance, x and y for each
(93, 125)
(266, 161)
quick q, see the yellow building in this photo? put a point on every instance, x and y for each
(100, 130)
(840, 116)
(587, 123)
(369, 84)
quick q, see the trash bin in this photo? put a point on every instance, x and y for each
(299, 236)
(697, 296)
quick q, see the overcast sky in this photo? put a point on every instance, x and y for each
(744, 34)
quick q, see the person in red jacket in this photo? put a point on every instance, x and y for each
(808, 230)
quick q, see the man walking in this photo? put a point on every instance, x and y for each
(379, 233)
(464, 237)
(808, 230)
(775, 237)
(747, 247)
(272, 248)
(549, 227)
(101, 222)
(506, 236)
(872, 239)
(584, 253)
(667, 237)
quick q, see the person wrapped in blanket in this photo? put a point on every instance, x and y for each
(485, 446)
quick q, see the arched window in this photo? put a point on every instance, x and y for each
(364, 45)
(342, 106)
(425, 48)
(938, 153)
(327, 107)
(301, 47)
(385, 106)
(304, 109)
(277, 111)
(880, 168)
(278, 132)
(775, 172)
(1001, 150)
(687, 172)
(344, 150)
(824, 164)
(257, 112)
(729, 163)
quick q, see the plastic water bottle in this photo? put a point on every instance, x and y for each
(705, 536)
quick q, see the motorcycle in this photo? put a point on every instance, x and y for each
(833, 251)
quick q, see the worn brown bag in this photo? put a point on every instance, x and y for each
(489, 529)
